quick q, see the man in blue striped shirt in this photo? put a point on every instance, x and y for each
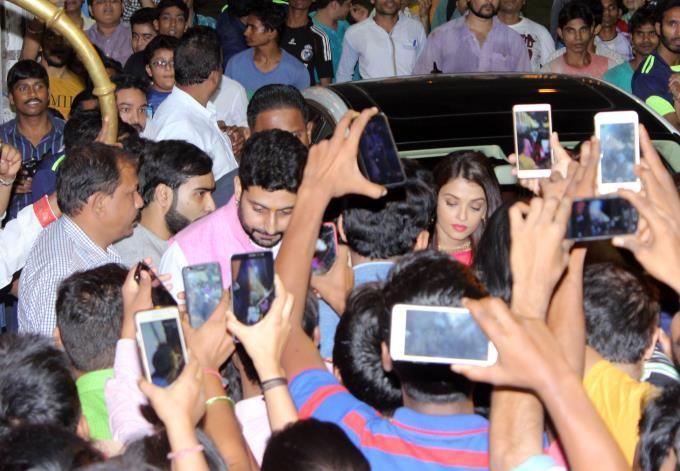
(35, 132)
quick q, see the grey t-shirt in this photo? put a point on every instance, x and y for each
(141, 244)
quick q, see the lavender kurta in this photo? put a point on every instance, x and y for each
(118, 46)
(455, 49)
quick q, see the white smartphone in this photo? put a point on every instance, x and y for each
(619, 135)
(426, 334)
(533, 127)
(161, 343)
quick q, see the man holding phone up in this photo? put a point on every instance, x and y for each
(35, 132)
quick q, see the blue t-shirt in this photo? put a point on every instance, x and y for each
(621, 76)
(289, 71)
(409, 440)
(650, 83)
(154, 99)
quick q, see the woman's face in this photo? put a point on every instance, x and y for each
(461, 207)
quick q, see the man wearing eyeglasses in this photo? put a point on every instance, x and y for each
(109, 33)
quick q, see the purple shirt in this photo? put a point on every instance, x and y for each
(118, 46)
(455, 49)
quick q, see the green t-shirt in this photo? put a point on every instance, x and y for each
(621, 76)
(91, 393)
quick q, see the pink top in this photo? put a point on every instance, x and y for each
(215, 238)
(123, 397)
(252, 415)
(598, 66)
(464, 257)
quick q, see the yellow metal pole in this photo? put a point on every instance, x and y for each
(57, 20)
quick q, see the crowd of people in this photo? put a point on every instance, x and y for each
(214, 158)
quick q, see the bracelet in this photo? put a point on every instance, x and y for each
(215, 373)
(175, 455)
(7, 182)
(273, 383)
(215, 399)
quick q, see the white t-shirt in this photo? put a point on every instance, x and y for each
(231, 102)
(539, 42)
(620, 45)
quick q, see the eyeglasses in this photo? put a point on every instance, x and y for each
(158, 63)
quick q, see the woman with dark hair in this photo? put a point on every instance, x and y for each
(492, 255)
(467, 194)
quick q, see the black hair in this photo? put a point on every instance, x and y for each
(144, 16)
(162, 41)
(276, 97)
(429, 278)
(660, 430)
(474, 167)
(26, 69)
(85, 95)
(46, 447)
(274, 160)
(641, 17)
(163, 4)
(312, 445)
(388, 227)
(578, 10)
(415, 170)
(272, 16)
(320, 4)
(170, 163)
(86, 170)
(357, 351)
(198, 54)
(621, 314)
(663, 6)
(492, 255)
(84, 126)
(241, 8)
(125, 82)
(36, 386)
(89, 315)
(89, 2)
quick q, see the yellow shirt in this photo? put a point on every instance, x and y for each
(619, 400)
(63, 90)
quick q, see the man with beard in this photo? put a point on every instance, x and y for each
(35, 132)
(476, 42)
(176, 184)
(254, 219)
(64, 84)
(652, 80)
(386, 45)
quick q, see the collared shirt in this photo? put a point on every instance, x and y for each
(180, 116)
(49, 145)
(230, 101)
(61, 250)
(408, 440)
(379, 53)
(456, 49)
(329, 319)
(650, 83)
(118, 46)
(91, 394)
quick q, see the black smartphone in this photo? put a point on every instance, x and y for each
(159, 295)
(378, 155)
(252, 285)
(601, 218)
(29, 168)
(326, 250)
(203, 291)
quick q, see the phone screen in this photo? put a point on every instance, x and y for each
(325, 252)
(163, 350)
(444, 334)
(617, 147)
(601, 218)
(160, 296)
(252, 285)
(379, 156)
(203, 290)
(533, 139)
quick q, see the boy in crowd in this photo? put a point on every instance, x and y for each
(109, 33)
(143, 31)
(540, 44)
(609, 35)
(330, 17)
(173, 18)
(159, 57)
(131, 101)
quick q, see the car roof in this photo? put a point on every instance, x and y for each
(444, 111)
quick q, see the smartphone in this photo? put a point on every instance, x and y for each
(252, 285)
(326, 250)
(378, 155)
(426, 334)
(533, 126)
(160, 296)
(601, 218)
(161, 343)
(203, 291)
(619, 135)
